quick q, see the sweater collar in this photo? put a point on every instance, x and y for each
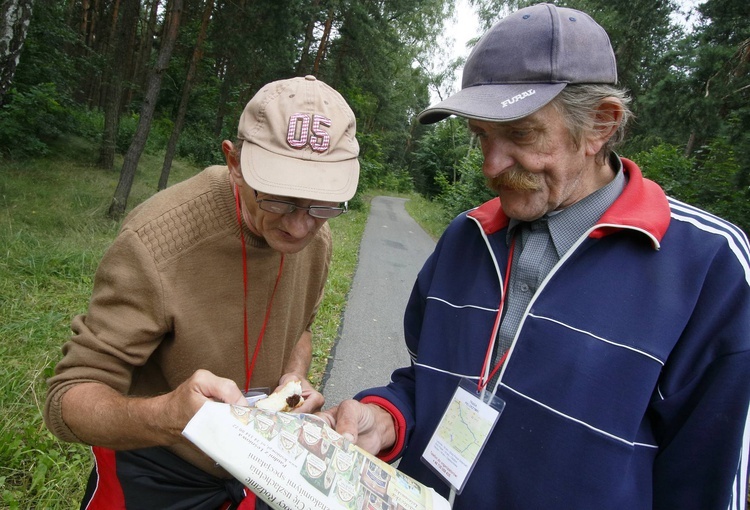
(642, 206)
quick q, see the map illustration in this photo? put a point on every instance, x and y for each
(464, 430)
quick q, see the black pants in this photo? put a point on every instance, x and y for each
(157, 479)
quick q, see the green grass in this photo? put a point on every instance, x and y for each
(430, 215)
(53, 232)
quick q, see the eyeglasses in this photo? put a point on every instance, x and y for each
(283, 207)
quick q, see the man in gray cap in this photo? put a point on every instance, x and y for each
(581, 341)
(209, 290)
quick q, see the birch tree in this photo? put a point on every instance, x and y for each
(15, 16)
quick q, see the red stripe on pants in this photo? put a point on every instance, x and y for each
(108, 494)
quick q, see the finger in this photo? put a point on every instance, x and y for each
(329, 416)
(284, 379)
(313, 402)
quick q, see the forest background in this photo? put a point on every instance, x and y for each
(104, 102)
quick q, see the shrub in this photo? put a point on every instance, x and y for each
(470, 188)
(666, 165)
(30, 120)
(198, 148)
(710, 180)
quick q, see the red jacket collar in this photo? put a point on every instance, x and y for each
(642, 206)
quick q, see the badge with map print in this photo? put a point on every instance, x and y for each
(461, 434)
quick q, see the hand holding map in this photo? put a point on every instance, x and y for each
(297, 461)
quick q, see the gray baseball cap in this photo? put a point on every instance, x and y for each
(524, 61)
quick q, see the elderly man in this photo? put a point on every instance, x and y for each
(582, 341)
(209, 291)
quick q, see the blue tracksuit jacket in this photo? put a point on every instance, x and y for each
(628, 382)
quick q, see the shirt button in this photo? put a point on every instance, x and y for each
(524, 287)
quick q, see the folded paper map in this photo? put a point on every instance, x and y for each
(296, 461)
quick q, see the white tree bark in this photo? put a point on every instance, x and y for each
(15, 16)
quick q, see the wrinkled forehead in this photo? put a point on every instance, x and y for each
(542, 117)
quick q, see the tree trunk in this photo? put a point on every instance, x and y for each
(225, 89)
(690, 145)
(15, 16)
(186, 89)
(122, 47)
(323, 42)
(129, 166)
(309, 36)
(143, 54)
(95, 26)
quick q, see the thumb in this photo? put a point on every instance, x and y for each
(348, 419)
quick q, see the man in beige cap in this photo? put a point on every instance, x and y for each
(208, 292)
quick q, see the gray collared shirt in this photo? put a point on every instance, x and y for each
(540, 244)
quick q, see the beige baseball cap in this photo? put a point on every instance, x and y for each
(299, 140)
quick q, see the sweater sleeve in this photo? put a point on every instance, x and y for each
(124, 324)
(700, 411)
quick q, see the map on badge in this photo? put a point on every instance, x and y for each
(461, 435)
(464, 429)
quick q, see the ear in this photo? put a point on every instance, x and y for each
(607, 118)
(233, 163)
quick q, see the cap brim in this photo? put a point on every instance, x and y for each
(271, 173)
(494, 102)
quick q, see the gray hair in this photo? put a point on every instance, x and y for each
(578, 103)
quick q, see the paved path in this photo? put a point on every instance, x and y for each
(371, 344)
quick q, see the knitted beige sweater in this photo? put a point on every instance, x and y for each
(168, 297)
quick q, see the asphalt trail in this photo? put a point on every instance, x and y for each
(371, 344)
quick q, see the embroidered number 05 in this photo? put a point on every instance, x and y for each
(299, 132)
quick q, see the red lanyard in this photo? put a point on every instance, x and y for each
(482, 380)
(250, 365)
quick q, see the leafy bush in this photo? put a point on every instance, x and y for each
(370, 173)
(89, 124)
(398, 181)
(32, 119)
(125, 132)
(710, 180)
(666, 165)
(720, 192)
(358, 203)
(198, 148)
(158, 136)
(439, 155)
(470, 189)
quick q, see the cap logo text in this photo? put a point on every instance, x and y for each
(518, 97)
(299, 133)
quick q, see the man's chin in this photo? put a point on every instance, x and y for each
(521, 205)
(289, 248)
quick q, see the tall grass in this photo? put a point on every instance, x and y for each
(53, 232)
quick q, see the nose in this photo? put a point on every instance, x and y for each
(298, 223)
(497, 157)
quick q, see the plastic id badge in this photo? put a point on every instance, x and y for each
(462, 433)
(254, 394)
